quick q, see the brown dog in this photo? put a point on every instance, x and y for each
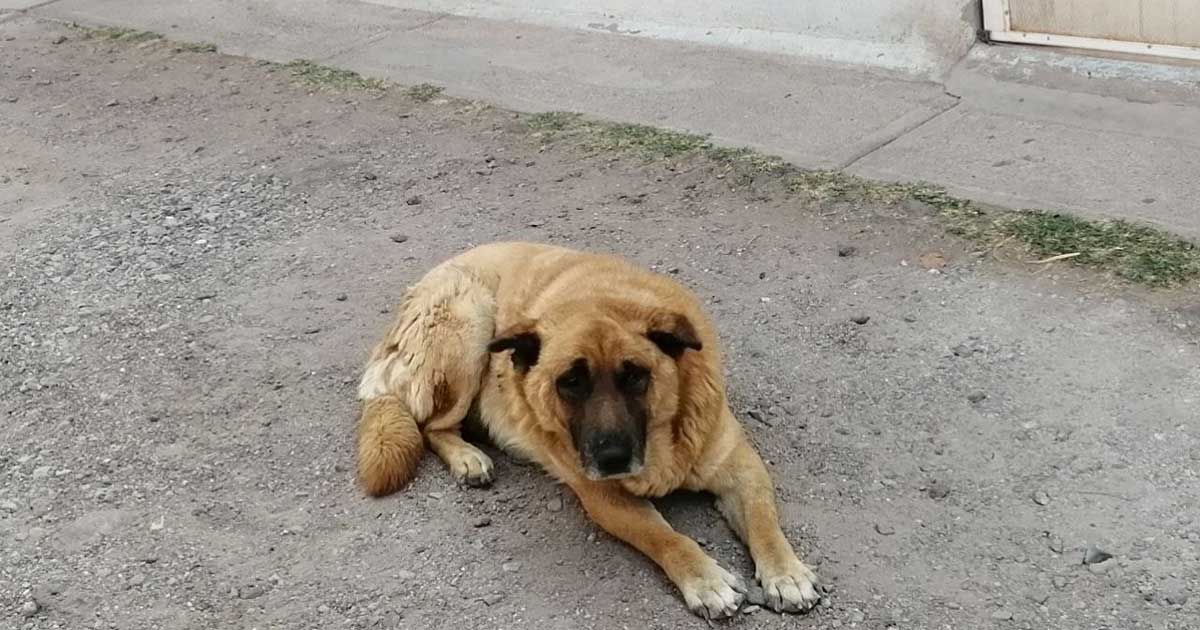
(613, 385)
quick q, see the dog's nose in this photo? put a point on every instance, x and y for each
(612, 453)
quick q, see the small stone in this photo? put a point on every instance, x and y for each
(511, 567)
(976, 397)
(938, 489)
(1055, 544)
(312, 331)
(136, 580)
(555, 504)
(29, 609)
(1059, 581)
(251, 591)
(1175, 592)
(845, 251)
(756, 596)
(322, 609)
(11, 99)
(860, 319)
(1100, 568)
(414, 200)
(1095, 555)
(751, 609)
(59, 40)
(112, 103)
(857, 616)
(342, 297)
(1041, 498)
(1002, 615)
(1039, 596)
(399, 238)
(884, 529)
(491, 599)
(405, 575)
(482, 521)
(909, 318)
(436, 495)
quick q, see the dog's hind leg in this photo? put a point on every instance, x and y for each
(433, 360)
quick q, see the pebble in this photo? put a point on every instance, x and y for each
(857, 617)
(756, 596)
(405, 575)
(41, 472)
(555, 504)
(884, 529)
(1056, 544)
(482, 522)
(436, 495)
(1095, 555)
(491, 599)
(1041, 498)
(1002, 615)
(976, 397)
(860, 319)
(29, 609)
(751, 609)
(399, 238)
(1175, 592)
(342, 297)
(414, 200)
(1059, 581)
(938, 489)
(322, 609)
(251, 591)
(59, 40)
(846, 251)
(511, 567)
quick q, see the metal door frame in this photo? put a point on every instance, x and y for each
(997, 23)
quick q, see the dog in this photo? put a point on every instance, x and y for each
(612, 383)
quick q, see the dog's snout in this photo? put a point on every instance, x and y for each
(612, 453)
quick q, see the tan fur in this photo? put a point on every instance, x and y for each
(433, 366)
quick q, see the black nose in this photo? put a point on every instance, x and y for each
(612, 453)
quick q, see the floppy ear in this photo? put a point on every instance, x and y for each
(524, 342)
(673, 334)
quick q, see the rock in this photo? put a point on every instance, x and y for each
(845, 251)
(112, 103)
(1002, 615)
(884, 529)
(414, 200)
(1174, 592)
(1056, 544)
(1095, 555)
(482, 521)
(756, 596)
(1040, 497)
(41, 472)
(59, 40)
(405, 575)
(977, 397)
(251, 591)
(751, 609)
(860, 319)
(322, 609)
(342, 297)
(1100, 568)
(436, 495)
(909, 318)
(857, 616)
(511, 567)
(399, 238)
(137, 579)
(29, 609)
(555, 504)
(491, 599)
(938, 489)
(1038, 596)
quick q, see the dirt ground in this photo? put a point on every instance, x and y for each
(197, 255)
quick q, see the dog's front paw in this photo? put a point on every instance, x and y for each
(472, 467)
(712, 592)
(793, 590)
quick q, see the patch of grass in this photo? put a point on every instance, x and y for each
(116, 33)
(423, 92)
(1134, 252)
(325, 77)
(195, 47)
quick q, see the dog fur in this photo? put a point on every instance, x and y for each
(599, 351)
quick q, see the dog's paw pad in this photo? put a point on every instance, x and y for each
(715, 593)
(792, 591)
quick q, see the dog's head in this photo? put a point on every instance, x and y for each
(604, 379)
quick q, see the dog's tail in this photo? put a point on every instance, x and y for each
(389, 445)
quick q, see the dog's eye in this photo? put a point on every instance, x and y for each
(574, 384)
(633, 378)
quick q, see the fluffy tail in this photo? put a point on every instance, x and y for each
(389, 445)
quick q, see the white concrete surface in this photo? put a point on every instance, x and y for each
(1098, 137)
(924, 37)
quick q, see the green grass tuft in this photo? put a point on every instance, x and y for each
(423, 92)
(116, 33)
(195, 47)
(325, 77)
(1134, 252)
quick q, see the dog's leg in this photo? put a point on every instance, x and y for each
(746, 497)
(466, 462)
(709, 590)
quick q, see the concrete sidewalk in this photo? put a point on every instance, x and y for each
(1012, 126)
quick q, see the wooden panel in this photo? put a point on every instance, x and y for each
(1175, 22)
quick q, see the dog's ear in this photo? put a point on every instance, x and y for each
(673, 333)
(524, 342)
